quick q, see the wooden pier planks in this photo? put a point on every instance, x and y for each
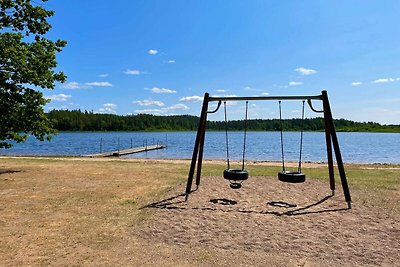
(127, 151)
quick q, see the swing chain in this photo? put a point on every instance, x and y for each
(245, 134)
(301, 137)
(280, 119)
(226, 136)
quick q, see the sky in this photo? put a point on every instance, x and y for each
(160, 57)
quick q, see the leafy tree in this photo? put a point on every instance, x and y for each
(27, 65)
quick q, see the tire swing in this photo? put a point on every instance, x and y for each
(291, 176)
(235, 176)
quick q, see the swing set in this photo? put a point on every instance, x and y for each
(237, 176)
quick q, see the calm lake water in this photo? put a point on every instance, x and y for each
(260, 146)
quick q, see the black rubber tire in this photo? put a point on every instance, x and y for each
(235, 185)
(236, 175)
(292, 177)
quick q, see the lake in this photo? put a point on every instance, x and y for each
(260, 146)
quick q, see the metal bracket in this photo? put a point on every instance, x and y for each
(218, 106)
(312, 108)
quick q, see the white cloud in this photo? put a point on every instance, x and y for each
(222, 91)
(264, 94)
(74, 85)
(178, 106)
(161, 90)
(134, 72)
(231, 95)
(171, 61)
(152, 52)
(104, 75)
(356, 83)
(163, 111)
(386, 80)
(99, 84)
(304, 71)
(148, 102)
(108, 108)
(295, 83)
(194, 98)
(248, 88)
(59, 97)
(149, 111)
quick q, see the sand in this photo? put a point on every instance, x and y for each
(277, 224)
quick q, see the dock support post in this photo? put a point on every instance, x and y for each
(118, 144)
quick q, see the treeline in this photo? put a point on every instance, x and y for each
(77, 120)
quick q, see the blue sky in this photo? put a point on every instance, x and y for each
(159, 57)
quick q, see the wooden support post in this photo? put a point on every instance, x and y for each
(201, 149)
(336, 148)
(203, 118)
(328, 141)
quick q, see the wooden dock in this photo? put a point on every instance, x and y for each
(127, 151)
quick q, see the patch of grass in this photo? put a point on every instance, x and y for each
(203, 256)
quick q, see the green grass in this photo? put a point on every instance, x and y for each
(365, 176)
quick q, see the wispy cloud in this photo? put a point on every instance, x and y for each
(304, 71)
(107, 108)
(152, 52)
(163, 111)
(386, 80)
(59, 97)
(356, 83)
(74, 85)
(171, 61)
(178, 106)
(99, 84)
(161, 90)
(150, 111)
(222, 90)
(264, 94)
(147, 102)
(134, 72)
(104, 75)
(248, 88)
(295, 83)
(194, 98)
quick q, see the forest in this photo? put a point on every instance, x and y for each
(77, 120)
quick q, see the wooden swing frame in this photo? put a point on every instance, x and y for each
(330, 139)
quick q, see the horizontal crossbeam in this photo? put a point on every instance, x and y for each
(251, 98)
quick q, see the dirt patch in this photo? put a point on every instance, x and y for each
(301, 222)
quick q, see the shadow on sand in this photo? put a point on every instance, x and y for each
(172, 203)
(7, 171)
